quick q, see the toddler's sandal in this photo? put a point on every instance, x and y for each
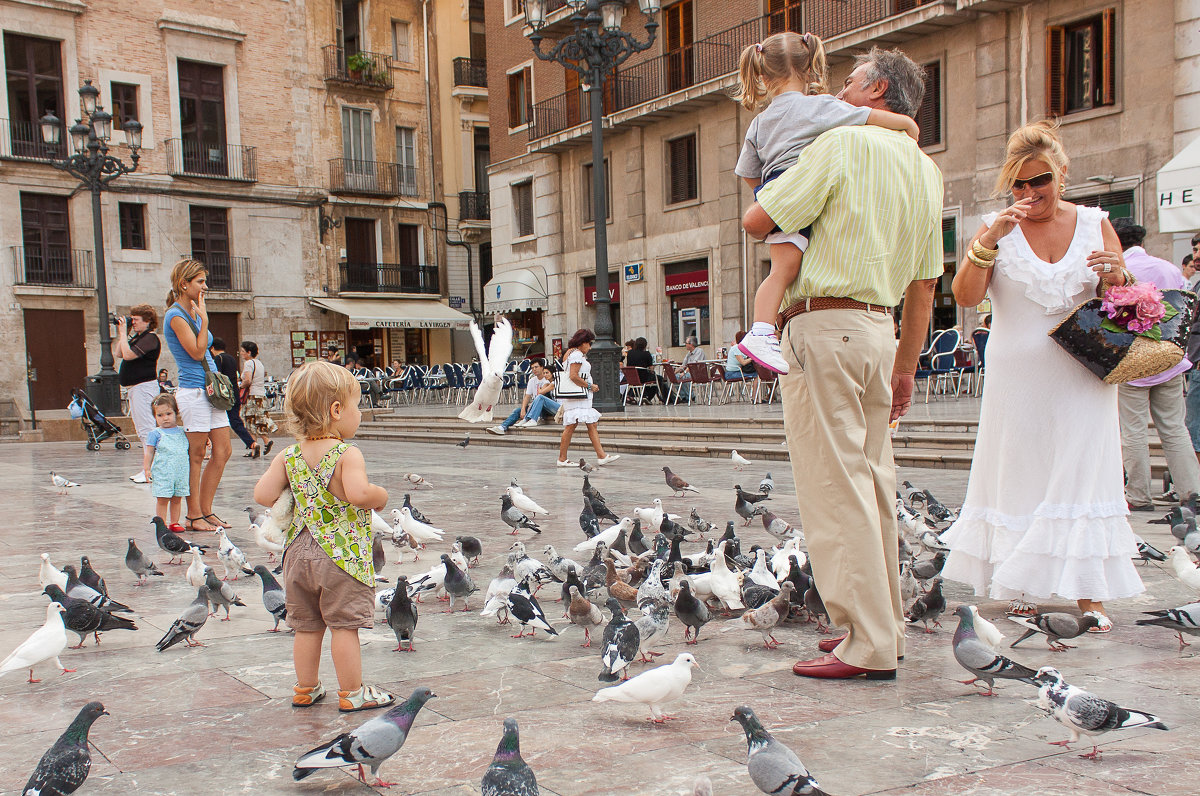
(306, 697)
(367, 697)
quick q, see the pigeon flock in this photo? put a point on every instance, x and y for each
(620, 586)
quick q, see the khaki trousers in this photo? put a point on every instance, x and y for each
(1165, 403)
(836, 403)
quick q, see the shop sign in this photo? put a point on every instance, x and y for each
(690, 282)
(614, 294)
(390, 323)
(633, 272)
(456, 302)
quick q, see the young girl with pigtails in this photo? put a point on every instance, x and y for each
(786, 76)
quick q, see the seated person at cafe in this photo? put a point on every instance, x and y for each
(643, 360)
(738, 367)
(535, 404)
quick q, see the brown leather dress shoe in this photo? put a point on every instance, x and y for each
(829, 667)
(830, 644)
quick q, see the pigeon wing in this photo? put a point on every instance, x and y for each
(62, 769)
(500, 347)
(775, 769)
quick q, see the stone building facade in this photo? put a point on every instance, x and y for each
(1120, 75)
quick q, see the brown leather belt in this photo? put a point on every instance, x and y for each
(826, 303)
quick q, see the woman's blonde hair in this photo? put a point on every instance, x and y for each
(184, 271)
(311, 390)
(763, 67)
(1036, 141)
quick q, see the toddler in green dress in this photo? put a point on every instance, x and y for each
(166, 459)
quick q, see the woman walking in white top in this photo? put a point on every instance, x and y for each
(579, 410)
(254, 402)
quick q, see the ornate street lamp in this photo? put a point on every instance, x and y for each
(95, 168)
(594, 49)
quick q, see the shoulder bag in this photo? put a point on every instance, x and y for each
(217, 386)
(565, 389)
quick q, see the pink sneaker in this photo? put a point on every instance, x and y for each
(764, 349)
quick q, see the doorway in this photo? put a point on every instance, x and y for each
(54, 345)
(360, 255)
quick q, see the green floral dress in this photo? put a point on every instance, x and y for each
(342, 530)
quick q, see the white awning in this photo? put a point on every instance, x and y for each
(1179, 191)
(365, 313)
(515, 290)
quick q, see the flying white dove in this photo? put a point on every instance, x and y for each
(45, 644)
(48, 573)
(492, 363)
(419, 532)
(653, 688)
(524, 502)
(739, 461)
(62, 484)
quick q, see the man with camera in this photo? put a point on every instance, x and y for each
(137, 346)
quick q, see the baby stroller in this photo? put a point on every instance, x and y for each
(97, 426)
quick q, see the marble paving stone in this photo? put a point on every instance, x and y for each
(1020, 778)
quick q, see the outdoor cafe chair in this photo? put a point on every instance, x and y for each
(635, 388)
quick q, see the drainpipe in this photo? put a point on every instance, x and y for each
(429, 125)
(1024, 65)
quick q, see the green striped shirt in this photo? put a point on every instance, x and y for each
(874, 201)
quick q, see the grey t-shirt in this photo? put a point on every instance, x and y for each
(791, 122)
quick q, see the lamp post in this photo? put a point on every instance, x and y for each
(95, 168)
(594, 49)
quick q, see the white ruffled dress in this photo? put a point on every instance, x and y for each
(579, 410)
(1045, 511)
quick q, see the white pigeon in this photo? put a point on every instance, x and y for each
(434, 580)
(760, 574)
(558, 564)
(45, 644)
(724, 584)
(986, 631)
(739, 461)
(492, 363)
(608, 536)
(62, 484)
(273, 546)
(195, 571)
(702, 586)
(524, 502)
(781, 558)
(495, 600)
(230, 556)
(1181, 565)
(419, 532)
(278, 520)
(383, 598)
(416, 480)
(654, 687)
(48, 573)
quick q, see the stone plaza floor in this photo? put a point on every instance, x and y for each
(217, 719)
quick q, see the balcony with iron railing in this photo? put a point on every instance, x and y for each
(372, 178)
(359, 69)
(473, 206)
(225, 273)
(389, 278)
(187, 157)
(23, 141)
(52, 266)
(470, 72)
(709, 65)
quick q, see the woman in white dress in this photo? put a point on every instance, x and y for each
(1045, 511)
(579, 410)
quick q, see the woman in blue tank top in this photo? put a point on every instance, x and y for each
(188, 339)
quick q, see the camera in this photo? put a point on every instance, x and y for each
(113, 319)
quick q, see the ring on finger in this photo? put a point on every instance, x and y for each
(1107, 267)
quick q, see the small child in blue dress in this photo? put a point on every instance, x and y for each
(166, 459)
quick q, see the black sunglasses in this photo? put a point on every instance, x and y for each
(1036, 181)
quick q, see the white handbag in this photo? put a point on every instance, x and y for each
(565, 389)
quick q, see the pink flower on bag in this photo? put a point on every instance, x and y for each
(1134, 307)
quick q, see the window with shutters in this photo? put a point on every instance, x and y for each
(132, 218)
(124, 104)
(1081, 64)
(682, 182)
(589, 213)
(400, 48)
(929, 115)
(520, 97)
(1119, 204)
(522, 200)
(785, 15)
(680, 36)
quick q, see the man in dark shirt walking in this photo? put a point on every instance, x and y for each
(228, 365)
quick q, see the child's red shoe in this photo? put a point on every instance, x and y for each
(176, 528)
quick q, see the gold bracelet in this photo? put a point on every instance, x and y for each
(982, 252)
(978, 262)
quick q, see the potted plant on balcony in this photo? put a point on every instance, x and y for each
(360, 67)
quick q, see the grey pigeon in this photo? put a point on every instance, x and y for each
(188, 624)
(600, 510)
(780, 529)
(1147, 551)
(515, 518)
(91, 577)
(767, 485)
(816, 607)
(691, 611)
(371, 743)
(621, 642)
(592, 492)
(139, 565)
(65, 765)
(472, 548)
(173, 543)
(699, 524)
(637, 542)
(583, 465)
(589, 523)
(81, 591)
(256, 514)
(416, 515)
(1184, 619)
(458, 584)
(82, 618)
(981, 660)
(754, 595)
(273, 596)
(220, 593)
(928, 568)
(465, 442)
(378, 556)
(652, 590)
(401, 615)
(1084, 713)
(766, 617)
(677, 484)
(572, 579)
(595, 575)
(652, 627)
(745, 509)
(929, 606)
(773, 767)
(509, 775)
(1055, 626)
(750, 497)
